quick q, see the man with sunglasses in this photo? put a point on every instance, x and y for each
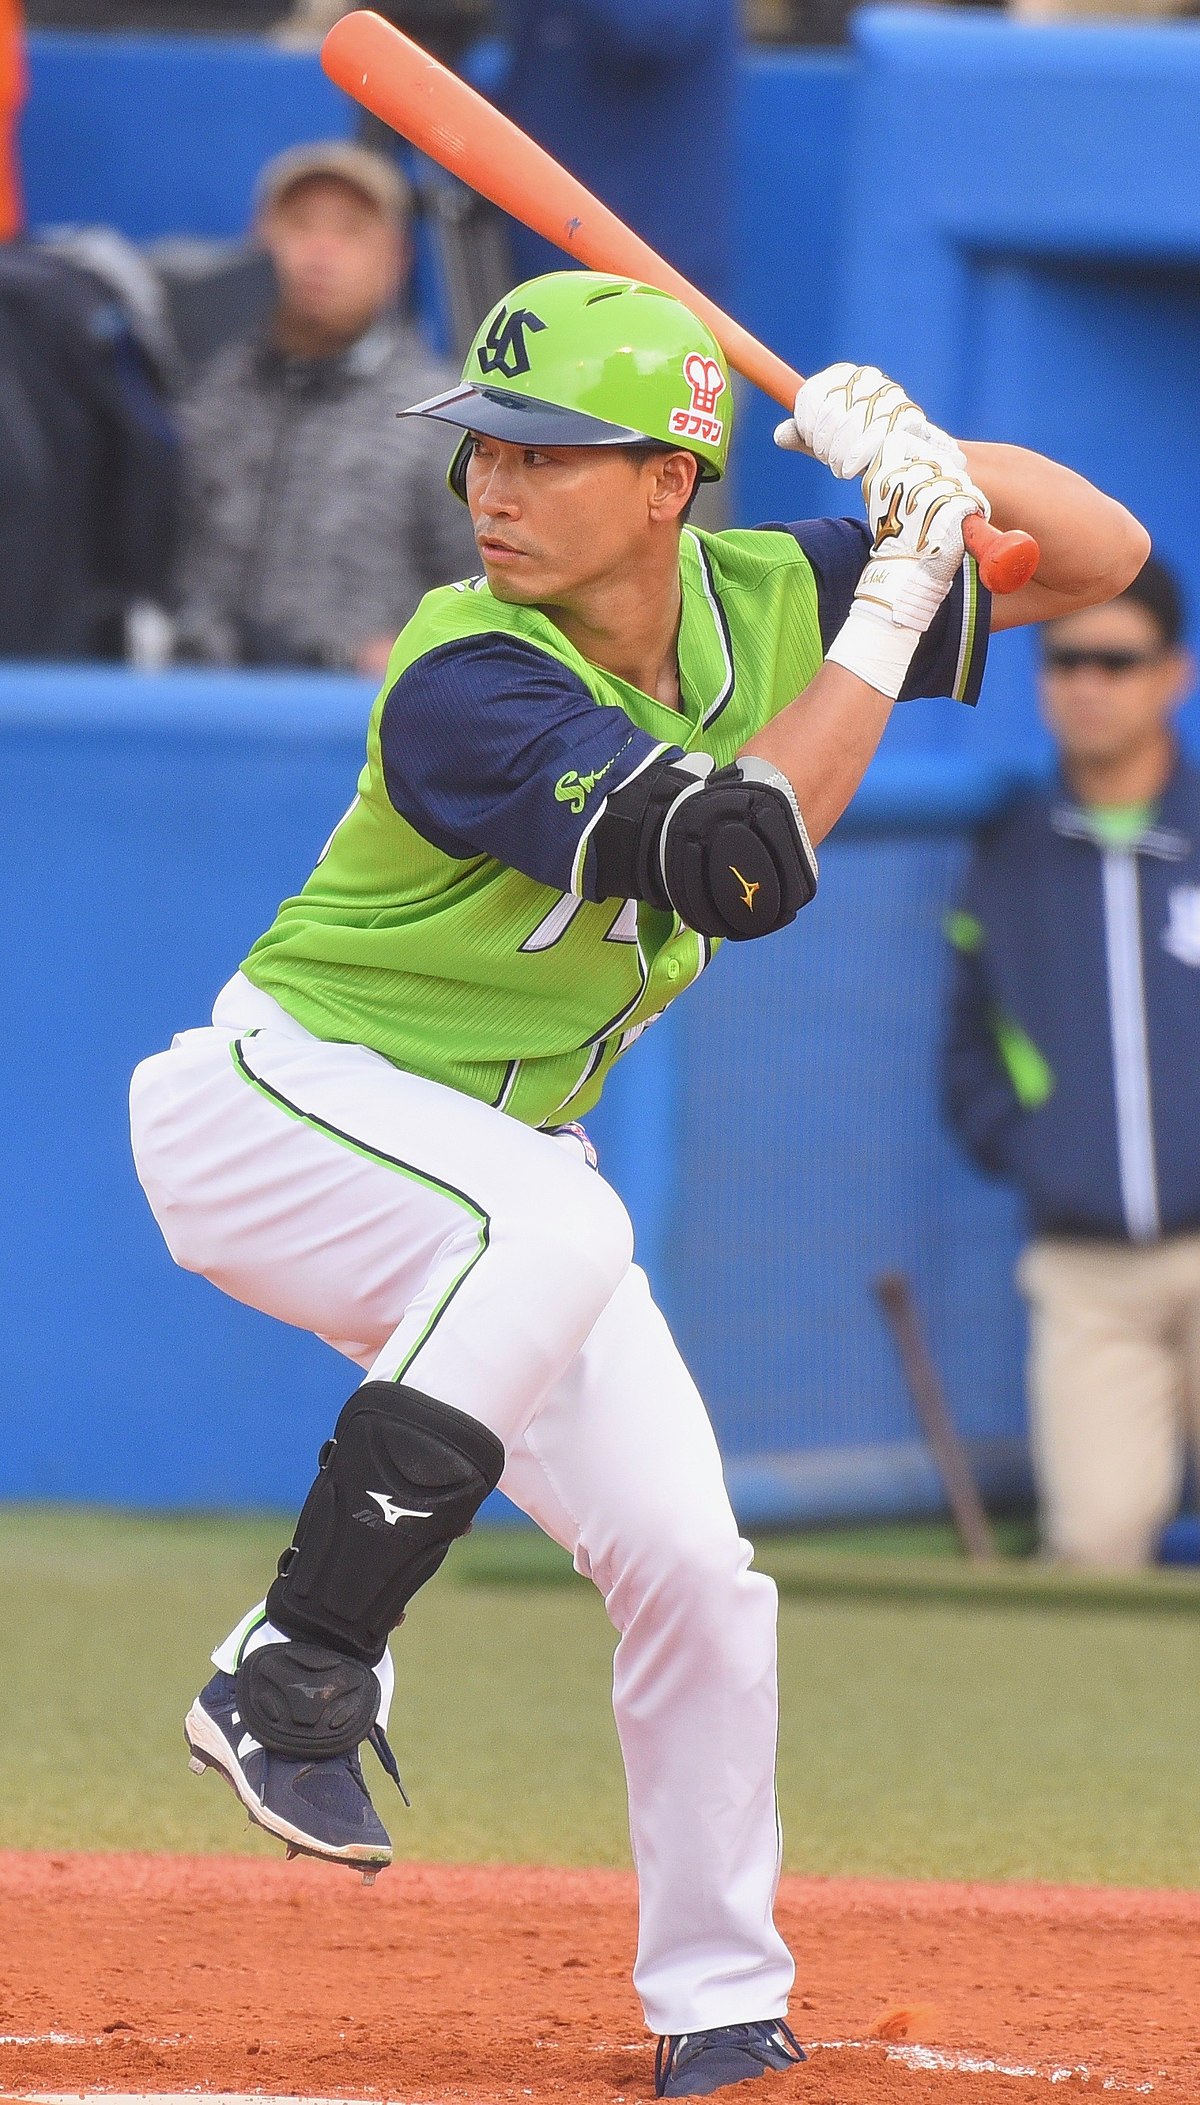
(1070, 1068)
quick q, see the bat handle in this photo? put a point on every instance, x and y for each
(1006, 561)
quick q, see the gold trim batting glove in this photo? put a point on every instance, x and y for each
(917, 502)
(844, 414)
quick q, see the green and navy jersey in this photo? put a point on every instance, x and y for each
(452, 922)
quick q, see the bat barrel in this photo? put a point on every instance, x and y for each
(440, 114)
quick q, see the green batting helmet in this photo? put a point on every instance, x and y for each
(578, 358)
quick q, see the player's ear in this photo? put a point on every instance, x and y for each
(674, 480)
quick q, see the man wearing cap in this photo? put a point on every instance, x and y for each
(316, 518)
(586, 768)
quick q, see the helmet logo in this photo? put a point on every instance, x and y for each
(706, 381)
(503, 348)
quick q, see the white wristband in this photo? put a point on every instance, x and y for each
(871, 646)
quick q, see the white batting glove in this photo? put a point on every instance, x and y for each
(844, 414)
(917, 503)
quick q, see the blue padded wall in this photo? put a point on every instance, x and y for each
(1035, 277)
(164, 135)
(148, 828)
(793, 128)
(814, 1159)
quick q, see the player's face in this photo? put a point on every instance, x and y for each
(553, 525)
(338, 258)
(1108, 685)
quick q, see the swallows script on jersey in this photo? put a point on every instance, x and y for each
(575, 789)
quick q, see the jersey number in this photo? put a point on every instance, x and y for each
(555, 924)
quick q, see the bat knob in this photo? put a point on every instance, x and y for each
(1006, 560)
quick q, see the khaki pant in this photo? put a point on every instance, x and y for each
(1114, 1391)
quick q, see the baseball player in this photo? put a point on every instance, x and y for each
(587, 767)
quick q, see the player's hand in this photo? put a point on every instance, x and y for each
(917, 500)
(844, 415)
(917, 503)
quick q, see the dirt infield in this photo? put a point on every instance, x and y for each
(493, 1986)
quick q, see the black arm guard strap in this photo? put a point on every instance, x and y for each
(723, 848)
(402, 1476)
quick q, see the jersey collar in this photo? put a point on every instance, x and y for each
(704, 639)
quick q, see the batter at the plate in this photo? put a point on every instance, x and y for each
(618, 746)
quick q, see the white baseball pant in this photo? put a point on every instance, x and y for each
(428, 1236)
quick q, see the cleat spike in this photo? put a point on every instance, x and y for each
(292, 1853)
(197, 1766)
(369, 1877)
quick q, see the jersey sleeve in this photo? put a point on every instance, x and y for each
(492, 747)
(953, 651)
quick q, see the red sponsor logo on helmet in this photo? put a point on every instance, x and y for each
(706, 381)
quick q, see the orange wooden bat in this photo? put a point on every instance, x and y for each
(430, 106)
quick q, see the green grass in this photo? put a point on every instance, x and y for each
(1021, 1726)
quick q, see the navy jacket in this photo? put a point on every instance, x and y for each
(1071, 1061)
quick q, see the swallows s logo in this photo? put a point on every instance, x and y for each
(748, 889)
(503, 348)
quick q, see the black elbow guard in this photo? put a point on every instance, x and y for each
(724, 848)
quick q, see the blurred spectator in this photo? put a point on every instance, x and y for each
(12, 95)
(316, 517)
(619, 91)
(88, 465)
(1071, 1068)
(464, 239)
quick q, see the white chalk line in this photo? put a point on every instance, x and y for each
(93, 2039)
(935, 2060)
(925, 2059)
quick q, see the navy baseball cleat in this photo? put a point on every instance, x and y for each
(319, 1808)
(693, 2064)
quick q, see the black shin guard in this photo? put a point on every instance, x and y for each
(402, 1476)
